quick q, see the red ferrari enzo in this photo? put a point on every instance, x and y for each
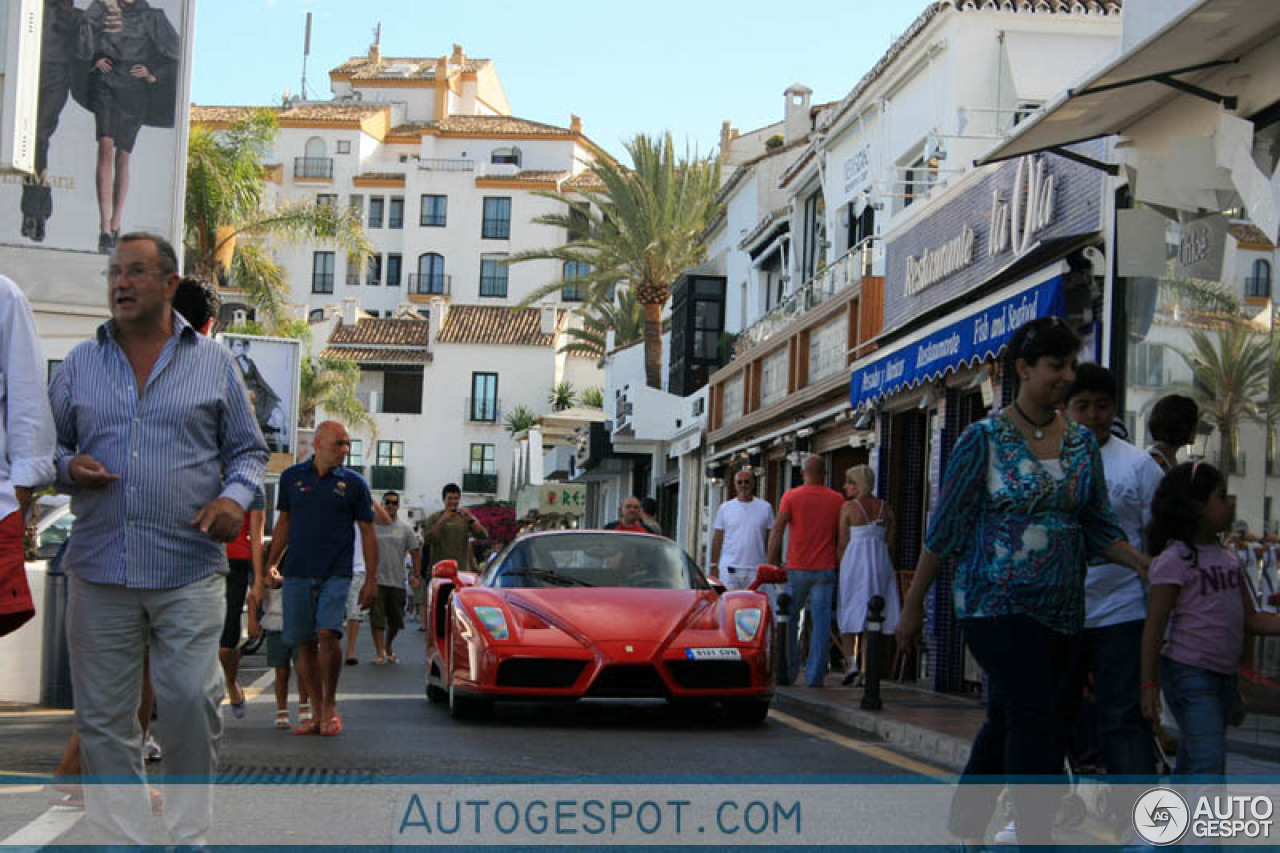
(570, 615)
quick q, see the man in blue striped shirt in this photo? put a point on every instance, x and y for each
(159, 447)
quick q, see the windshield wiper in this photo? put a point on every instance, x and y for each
(550, 576)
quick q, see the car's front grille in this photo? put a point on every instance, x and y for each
(539, 672)
(710, 674)
(628, 681)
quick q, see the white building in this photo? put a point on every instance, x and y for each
(445, 180)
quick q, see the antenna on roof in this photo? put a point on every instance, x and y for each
(306, 52)
(377, 34)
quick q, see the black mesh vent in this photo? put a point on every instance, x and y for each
(628, 680)
(539, 672)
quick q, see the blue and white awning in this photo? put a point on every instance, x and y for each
(952, 344)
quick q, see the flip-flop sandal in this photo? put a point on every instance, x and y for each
(308, 728)
(392, 659)
(282, 720)
(333, 727)
(379, 661)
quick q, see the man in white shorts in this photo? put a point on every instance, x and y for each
(741, 531)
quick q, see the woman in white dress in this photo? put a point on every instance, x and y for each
(865, 567)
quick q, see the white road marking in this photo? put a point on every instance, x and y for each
(46, 828)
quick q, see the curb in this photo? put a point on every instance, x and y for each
(946, 751)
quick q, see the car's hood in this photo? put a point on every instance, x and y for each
(612, 614)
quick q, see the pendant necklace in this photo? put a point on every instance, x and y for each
(1038, 428)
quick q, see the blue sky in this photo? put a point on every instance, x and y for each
(679, 66)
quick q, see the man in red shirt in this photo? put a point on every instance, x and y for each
(631, 518)
(812, 512)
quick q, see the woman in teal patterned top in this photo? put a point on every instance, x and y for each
(1023, 510)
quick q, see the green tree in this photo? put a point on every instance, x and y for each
(1230, 370)
(520, 419)
(231, 226)
(562, 396)
(622, 315)
(330, 383)
(644, 228)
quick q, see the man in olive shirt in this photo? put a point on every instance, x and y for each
(449, 532)
(396, 540)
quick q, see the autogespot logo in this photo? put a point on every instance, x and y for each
(1161, 816)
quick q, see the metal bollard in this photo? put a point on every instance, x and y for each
(782, 640)
(55, 664)
(872, 657)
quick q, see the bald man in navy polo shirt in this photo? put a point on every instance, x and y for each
(318, 502)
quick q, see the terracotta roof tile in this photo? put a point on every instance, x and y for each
(299, 112)
(532, 176)
(488, 125)
(375, 355)
(1248, 234)
(401, 67)
(586, 180)
(382, 332)
(494, 324)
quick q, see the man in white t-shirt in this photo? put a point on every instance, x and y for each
(1115, 597)
(741, 530)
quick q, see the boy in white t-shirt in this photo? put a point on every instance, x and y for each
(741, 531)
(280, 656)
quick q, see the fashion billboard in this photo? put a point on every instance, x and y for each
(109, 147)
(272, 370)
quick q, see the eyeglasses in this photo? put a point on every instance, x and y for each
(133, 272)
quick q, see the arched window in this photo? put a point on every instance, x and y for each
(572, 291)
(430, 278)
(1259, 284)
(508, 156)
(315, 161)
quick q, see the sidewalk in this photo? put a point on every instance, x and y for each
(939, 728)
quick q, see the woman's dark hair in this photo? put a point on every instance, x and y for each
(1093, 378)
(1175, 510)
(1035, 339)
(1174, 419)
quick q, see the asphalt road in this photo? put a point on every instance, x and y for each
(392, 732)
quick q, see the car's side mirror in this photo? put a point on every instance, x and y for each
(768, 573)
(445, 569)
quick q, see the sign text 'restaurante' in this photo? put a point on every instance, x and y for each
(933, 265)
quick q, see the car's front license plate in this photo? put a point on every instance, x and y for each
(713, 654)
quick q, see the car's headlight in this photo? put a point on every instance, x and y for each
(746, 622)
(493, 621)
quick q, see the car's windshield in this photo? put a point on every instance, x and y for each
(595, 559)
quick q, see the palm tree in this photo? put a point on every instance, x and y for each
(330, 383)
(623, 316)
(644, 228)
(1230, 372)
(230, 225)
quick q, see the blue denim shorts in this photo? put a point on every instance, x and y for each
(311, 605)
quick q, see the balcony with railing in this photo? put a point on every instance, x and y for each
(479, 484)
(863, 260)
(313, 168)
(446, 164)
(429, 284)
(387, 477)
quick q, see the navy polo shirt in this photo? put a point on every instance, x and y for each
(322, 511)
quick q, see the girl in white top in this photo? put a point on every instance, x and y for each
(866, 569)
